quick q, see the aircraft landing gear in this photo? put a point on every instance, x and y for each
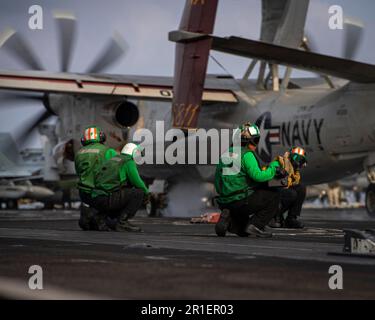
(370, 199)
(156, 204)
(370, 192)
(12, 204)
(158, 199)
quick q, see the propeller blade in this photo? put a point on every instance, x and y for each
(353, 36)
(20, 97)
(66, 24)
(115, 49)
(17, 46)
(22, 135)
(25, 131)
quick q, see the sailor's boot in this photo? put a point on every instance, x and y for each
(85, 221)
(223, 224)
(123, 225)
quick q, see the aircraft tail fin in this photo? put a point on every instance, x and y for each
(191, 61)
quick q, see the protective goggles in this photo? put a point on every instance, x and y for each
(298, 160)
(255, 140)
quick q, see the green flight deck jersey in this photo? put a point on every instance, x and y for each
(87, 161)
(117, 172)
(241, 184)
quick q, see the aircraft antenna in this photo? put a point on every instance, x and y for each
(219, 64)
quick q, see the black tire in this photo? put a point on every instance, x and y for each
(48, 206)
(370, 199)
(151, 207)
(12, 205)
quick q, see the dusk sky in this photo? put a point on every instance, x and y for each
(145, 24)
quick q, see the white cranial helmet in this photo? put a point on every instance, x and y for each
(131, 149)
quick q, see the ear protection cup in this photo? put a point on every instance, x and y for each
(83, 141)
(102, 137)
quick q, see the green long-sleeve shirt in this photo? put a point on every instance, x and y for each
(235, 187)
(117, 172)
(129, 172)
(252, 169)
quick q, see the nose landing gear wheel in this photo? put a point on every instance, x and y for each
(370, 199)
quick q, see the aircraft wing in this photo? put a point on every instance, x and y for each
(39, 81)
(323, 64)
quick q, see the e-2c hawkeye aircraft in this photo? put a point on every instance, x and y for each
(332, 118)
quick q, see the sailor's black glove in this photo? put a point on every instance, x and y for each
(281, 173)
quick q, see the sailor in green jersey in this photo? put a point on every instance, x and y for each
(119, 189)
(244, 192)
(87, 160)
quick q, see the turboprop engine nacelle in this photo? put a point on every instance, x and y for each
(121, 114)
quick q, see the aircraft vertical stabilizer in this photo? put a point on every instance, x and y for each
(191, 61)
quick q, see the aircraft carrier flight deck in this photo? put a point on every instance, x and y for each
(174, 259)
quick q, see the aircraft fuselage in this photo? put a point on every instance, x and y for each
(335, 126)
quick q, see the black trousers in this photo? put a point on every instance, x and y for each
(123, 203)
(263, 204)
(292, 199)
